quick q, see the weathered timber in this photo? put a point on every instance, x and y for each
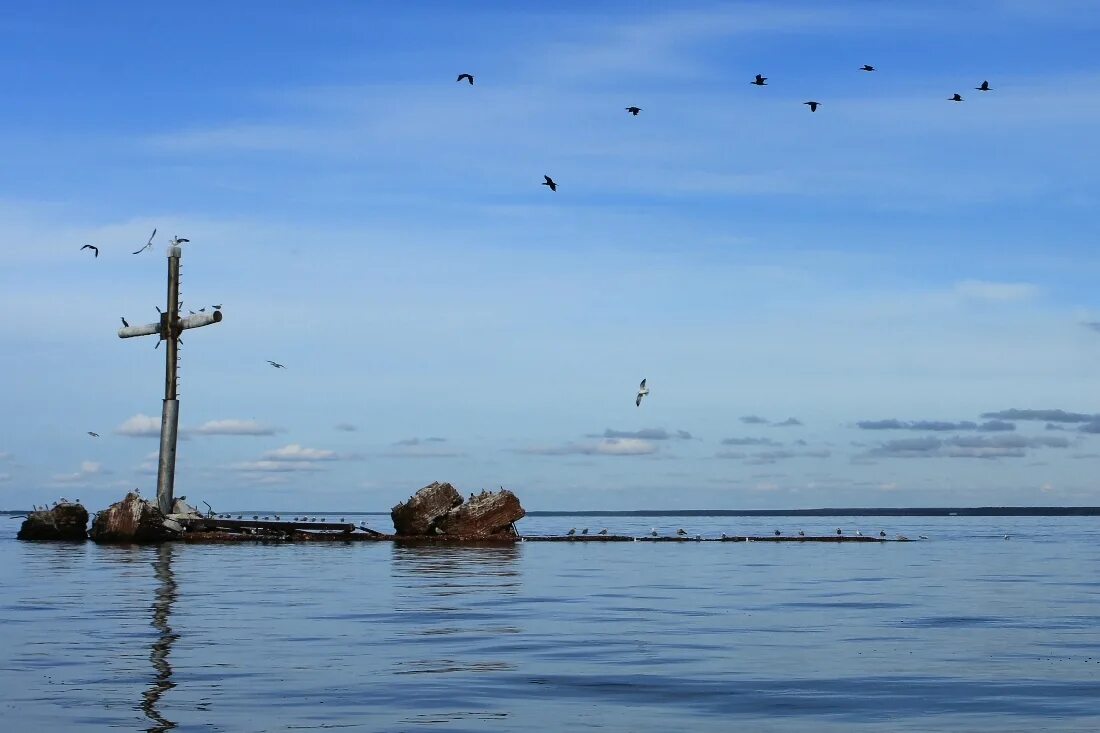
(66, 521)
(487, 514)
(131, 520)
(213, 524)
(419, 515)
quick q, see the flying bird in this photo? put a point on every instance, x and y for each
(867, 67)
(550, 182)
(124, 323)
(467, 77)
(984, 87)
(634, 110)
(760, 81)
(94, 435)
(147, 244)
(956, 97)
(179, 240)
(275, 364)
(642, 392)
(813, 105)
(91, 247)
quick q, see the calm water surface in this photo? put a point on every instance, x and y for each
(964, 632)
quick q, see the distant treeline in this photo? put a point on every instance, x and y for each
(978, 511)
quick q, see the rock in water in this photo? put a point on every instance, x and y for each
(418, 515)
(131, 520)
(486, 515)
(66, 521)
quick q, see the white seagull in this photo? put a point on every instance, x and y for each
(642, 392)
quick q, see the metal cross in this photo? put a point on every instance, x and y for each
(169, 329)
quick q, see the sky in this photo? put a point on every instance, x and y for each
(887, 302)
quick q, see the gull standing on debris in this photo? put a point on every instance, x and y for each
(603, 531)
(653, 532)
(681, 532)
(571, 532)
(147, 244)
(584, 531)
(642, 392)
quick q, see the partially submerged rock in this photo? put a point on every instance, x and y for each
(438, 509)
(133, 519)
(65, 521)
(418, 515)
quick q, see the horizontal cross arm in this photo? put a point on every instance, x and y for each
(130, 331)
(192, 321)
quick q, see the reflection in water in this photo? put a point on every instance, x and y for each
(162, 608)
(454, 604)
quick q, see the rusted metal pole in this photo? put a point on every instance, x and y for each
(170, 414)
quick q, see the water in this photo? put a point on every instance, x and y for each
(964, 632)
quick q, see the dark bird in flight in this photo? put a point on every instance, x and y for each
(124, 323)
(467, 77)
(550, 182)
(760, 81)
(813, 105)
(147, 244)
(275, 364)
(956, 97)
(91, 247)
(867, 67)
(984, 87)
(94, 435)
(634, 110)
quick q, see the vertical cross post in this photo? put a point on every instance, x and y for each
(170, 412)
(169, 329)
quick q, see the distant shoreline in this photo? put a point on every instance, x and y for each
(982, 511)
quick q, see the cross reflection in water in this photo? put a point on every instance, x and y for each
(162, 608)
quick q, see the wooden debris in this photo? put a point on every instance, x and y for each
(487, 514)
(66, 521)
(131, 520)
(419, 515)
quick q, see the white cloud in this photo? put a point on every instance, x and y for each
(88, 469)
(983, 290)
(267, 466)
(606, 447)
(140, 426)
(234, 427)
(295, 452)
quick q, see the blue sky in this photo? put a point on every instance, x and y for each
(886, 270)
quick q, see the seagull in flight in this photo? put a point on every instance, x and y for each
(275, 364)
(91, 247)
(812, 105)
(634, 110)
(867, 67)
(124, 323)
(760, 81)
(984, 87)
(550, 182)
(642, 392)
(956, 97)
(94, 435)
(147, 244)
(467, 77)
